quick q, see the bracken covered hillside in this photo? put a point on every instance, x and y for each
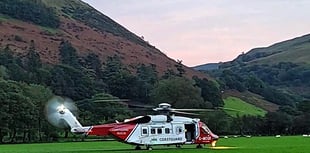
(88, 30)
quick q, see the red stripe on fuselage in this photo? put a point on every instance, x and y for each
(119, 130)
(102, 130)
(123, 131)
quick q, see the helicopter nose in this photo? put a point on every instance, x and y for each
(214, 137)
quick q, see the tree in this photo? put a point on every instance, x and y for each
(33, 65)
(39, 95)
(278, 123)
(168, 74)
(301, 124)
(92, 68)
(180, 92)
(218, 121)
(120, 82)
(99, 110)
(247, 125)
(4, 113)
(210, 92)
(304, 106)
(180, 69)
(33, 61)
(92, 61)
(68, 54)
(70, 82)
(18, 109)
(3, 72)
(6, 56)
(146, 78)
(254, 84)
(13, 65)
(232, 80)
(34, 11)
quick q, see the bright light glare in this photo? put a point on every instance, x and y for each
(213, 143)
(61, 109)
(223, 148)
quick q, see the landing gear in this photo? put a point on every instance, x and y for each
(138, 147)
(149, 147)
(199, 146)
(178, 145)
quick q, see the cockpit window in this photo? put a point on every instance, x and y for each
(205, 128)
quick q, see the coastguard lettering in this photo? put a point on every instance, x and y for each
(171, 139)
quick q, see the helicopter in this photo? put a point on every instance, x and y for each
(165, 128)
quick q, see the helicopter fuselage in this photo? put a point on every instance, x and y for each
(157, 130)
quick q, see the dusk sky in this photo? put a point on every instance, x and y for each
(206, 31)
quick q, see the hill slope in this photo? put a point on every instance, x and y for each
(207, 67)
(280, 71)
(88, 30)
(295, 50)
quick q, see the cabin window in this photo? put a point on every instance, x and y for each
(167, 130)
(159, 131)
(205, 129)
(144, 131)
(152, 131)
(179, 130)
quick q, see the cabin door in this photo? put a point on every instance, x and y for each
(190, 132)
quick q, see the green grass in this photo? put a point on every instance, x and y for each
(4, 17)
(298, 55)
(245, 108)
(49, 31)
(289, 144)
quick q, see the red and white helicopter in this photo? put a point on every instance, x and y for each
(149, 130)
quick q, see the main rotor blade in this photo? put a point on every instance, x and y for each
(140, 105)
(110, 100)
(193, 110)
(186, 113)
(230, 109)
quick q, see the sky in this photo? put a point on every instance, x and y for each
(209, 31)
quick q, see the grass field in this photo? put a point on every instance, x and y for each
(285, 144)
(245, 108)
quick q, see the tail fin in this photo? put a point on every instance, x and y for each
(69, 119)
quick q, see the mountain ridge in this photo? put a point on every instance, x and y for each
(85, 37)
(292, 50)
(279, 71)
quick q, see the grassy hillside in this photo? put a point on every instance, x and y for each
(253, 99)
(244, 107)
(299, 54)
(295, 50)
(280, 73)
(207, 67)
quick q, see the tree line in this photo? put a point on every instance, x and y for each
(34, 11)
(274, 84)
(27, 84)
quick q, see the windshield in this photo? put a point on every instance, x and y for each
(205, 128)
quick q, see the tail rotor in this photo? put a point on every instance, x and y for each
(60, 113)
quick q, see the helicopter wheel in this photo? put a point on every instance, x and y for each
(178, 145)
(199, 146)
(138, 148)
(149, 147)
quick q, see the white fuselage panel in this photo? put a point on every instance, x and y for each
(158, 131)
